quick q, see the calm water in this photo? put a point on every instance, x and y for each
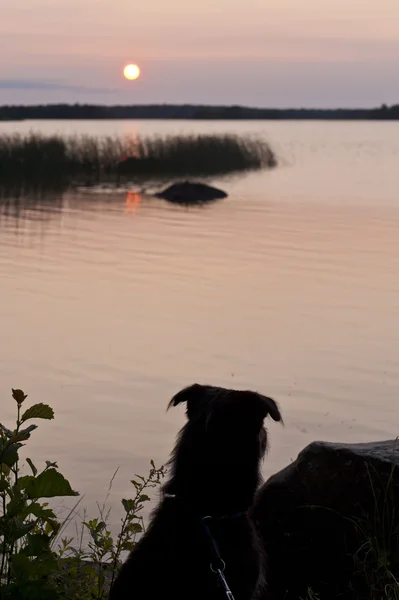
(110, 304)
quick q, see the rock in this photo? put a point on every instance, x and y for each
(330, 523)
(191, 193)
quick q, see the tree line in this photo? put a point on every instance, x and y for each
(190, 111)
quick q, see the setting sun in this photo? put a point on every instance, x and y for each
(131, 72)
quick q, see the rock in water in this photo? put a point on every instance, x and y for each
(191, 193)
(330, 523)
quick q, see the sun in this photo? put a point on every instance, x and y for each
(131, 72)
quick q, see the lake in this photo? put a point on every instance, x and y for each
(290, 286)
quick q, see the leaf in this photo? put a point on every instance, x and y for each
(51, 464)
(29, 589)
(52, 527)
(4, 469)
(3, 525)
(48, 484)
(4, 429)
(22, 481)
(128, 546)
(37, 545)
(10, 455)
(21, 529)
(32, 466)
(38, 511)
(101, 525)
(128, 505)
(144, 498)
(22, 435)
(31, 579)
(21, 566)
(19, 396)
(91, 525)
(101, 579)
(4, 485)
(12, 528)
(134, 528)
(38, 411)
(16, 505)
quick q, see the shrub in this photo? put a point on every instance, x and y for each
(36, 562)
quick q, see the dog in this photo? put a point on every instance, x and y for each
(201, 543)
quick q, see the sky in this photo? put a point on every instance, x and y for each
(267, 53)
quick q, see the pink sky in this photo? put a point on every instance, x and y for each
(256, 52)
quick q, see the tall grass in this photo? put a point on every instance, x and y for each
(377, 558)
(98, 159)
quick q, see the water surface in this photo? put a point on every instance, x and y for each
(111, 303)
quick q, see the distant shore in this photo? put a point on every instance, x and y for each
(192, 112)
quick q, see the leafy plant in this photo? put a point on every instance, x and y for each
(89, 573)
(27, 523)
(36, 562)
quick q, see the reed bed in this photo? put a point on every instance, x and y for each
(94, 159)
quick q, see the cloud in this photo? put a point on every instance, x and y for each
(28, 84)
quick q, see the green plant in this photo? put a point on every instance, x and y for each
(89, 573)
(27, 523)
(36, 562)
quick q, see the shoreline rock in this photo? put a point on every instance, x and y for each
(328, 519)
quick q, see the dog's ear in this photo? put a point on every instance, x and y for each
(242, 409)
(192, 395)
(268, 406)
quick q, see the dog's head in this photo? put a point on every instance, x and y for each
(224, 430)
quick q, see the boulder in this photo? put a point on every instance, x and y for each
(188, 192)
(330, 523)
